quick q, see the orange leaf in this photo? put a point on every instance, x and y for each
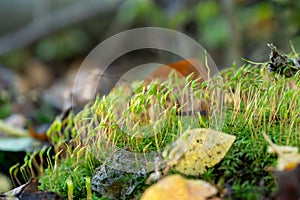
(183, 68)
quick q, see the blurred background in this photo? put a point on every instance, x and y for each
(43, 42)
(58, 32)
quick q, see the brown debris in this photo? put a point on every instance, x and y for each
(29, 191)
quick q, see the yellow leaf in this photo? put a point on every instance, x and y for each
(175, 187)
(208, 147)
(199, 189)
(288, 157)
(283, 149)
(288, 161)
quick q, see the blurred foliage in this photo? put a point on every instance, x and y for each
(211, 25)
(256, 22)
(5, 105)
(16, 59)
(62, 45)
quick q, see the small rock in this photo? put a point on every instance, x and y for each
(115, 184)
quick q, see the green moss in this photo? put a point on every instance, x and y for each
(256, 102)
(55, 177)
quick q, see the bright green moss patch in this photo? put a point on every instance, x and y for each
(256, 101)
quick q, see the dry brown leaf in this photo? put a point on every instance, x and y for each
(29, 191)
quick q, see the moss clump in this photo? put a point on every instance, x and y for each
(256, 102)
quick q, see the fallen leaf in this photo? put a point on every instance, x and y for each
(287, 171)
(283, 149)
(208, 147)
(183, 69)
(27, 188)
(175, 187)
(29, 191)
(37, 135)
(288, 157)
(15, 144)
